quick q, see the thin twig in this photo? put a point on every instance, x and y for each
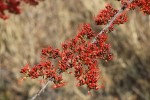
(104, 29)
(42, 89)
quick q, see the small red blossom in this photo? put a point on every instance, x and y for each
(59, 85)
(25, 69)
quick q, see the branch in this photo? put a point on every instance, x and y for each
(42, 89)
(104, 29)
(111, 21)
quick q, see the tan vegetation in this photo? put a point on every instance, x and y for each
(54, 21)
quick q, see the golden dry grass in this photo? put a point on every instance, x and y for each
(52, 22)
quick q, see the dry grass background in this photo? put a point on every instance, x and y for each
(54, 21)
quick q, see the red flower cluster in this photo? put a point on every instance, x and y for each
(12, 6)
(78, 53)
(105, 15)
(144, 5)
(43, 69)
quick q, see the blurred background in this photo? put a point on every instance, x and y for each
(51, 22)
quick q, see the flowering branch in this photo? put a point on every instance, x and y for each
(83, 51)
(104, 29)
(123, 8)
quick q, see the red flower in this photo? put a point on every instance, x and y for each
(13, 6)
(25, 69)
